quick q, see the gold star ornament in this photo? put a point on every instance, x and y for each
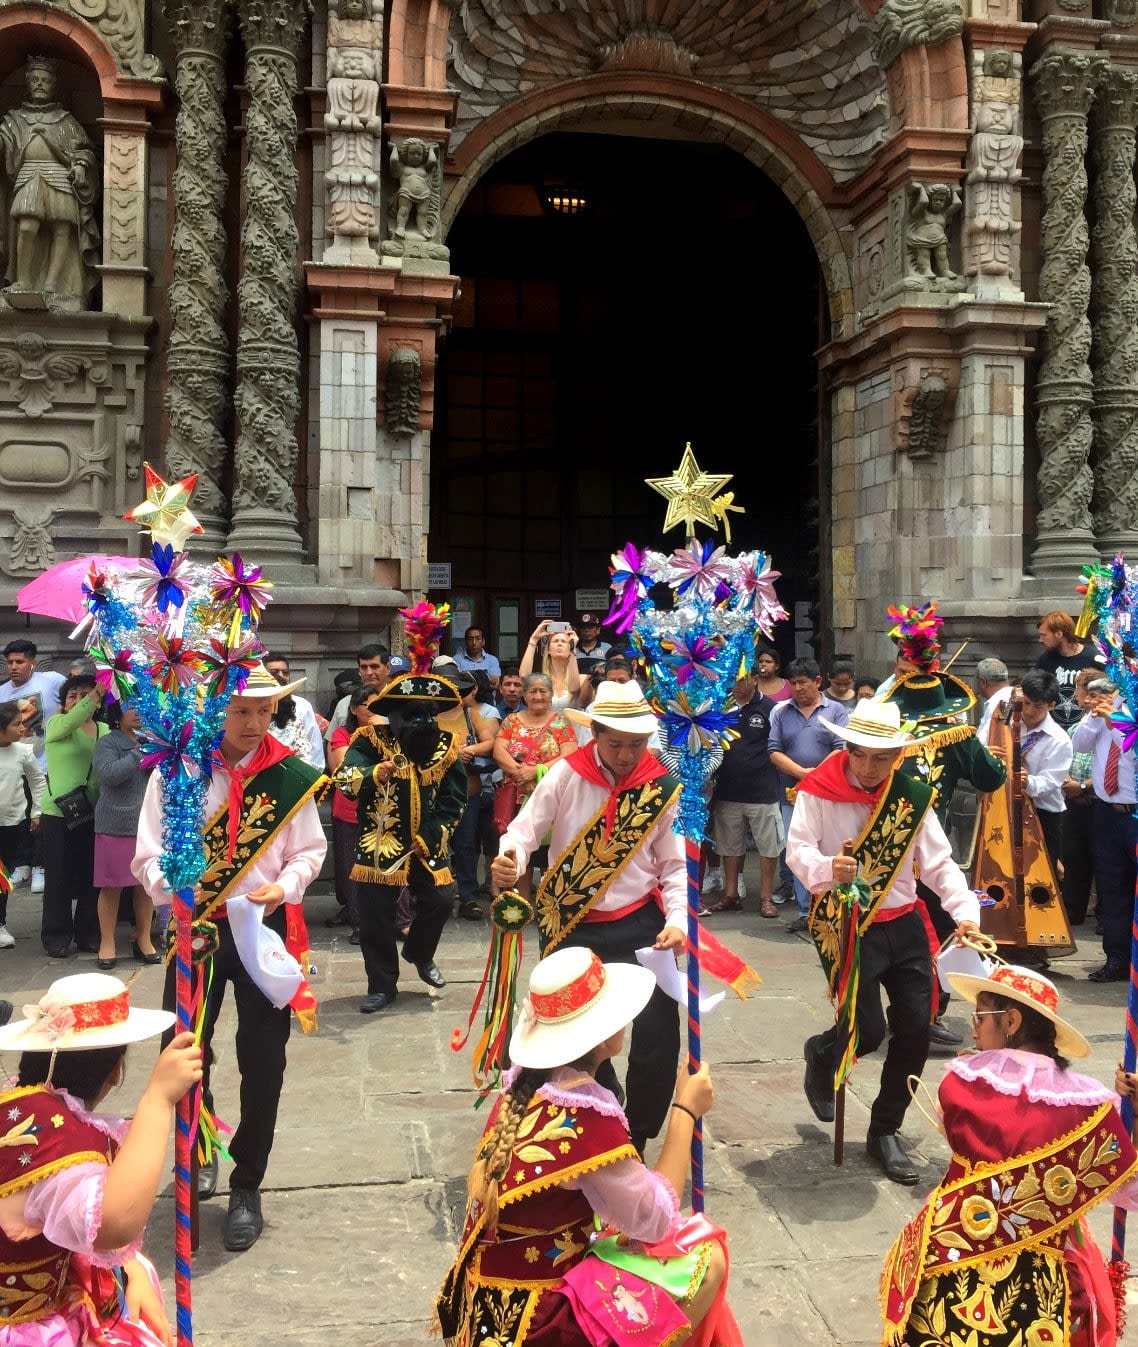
(166, 509)
(690, 493)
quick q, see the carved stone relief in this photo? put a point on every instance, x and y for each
(355, 52)
(403, 391)
(413, 215)
(122, 23)
(31, 549)
(1121, 13)
(931, 207)
(899, 24)
(51, 181)
(35, 374)
(923, 402)
(992, 226)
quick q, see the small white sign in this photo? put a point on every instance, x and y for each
(588, 599)
(438, 575)
(547, 608)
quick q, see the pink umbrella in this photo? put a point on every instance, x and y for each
(58, 592)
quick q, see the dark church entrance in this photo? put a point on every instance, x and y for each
(620, 297)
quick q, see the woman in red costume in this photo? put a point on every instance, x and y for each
(556, 1164)
(76, 1187)
(1001, 1254)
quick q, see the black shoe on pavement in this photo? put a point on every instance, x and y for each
(429, 972)
(892, 1157)
(340, 919)
(88, 947)
(59, 951)
(244, 1223)
(375, 1001)
(471, 910)
(798, 924)
(207, 1178)
(818, 1083)
(354, 938)
(5, 1011)
(1114, 970)
(942, 1035)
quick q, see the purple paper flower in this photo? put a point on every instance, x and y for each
(164, 589)
(220, 661)
(698, 657)
(699, 569)
(95, 594)
(231, 582)
(630, 585)
(173, 665)
(1123, 721)
(696, 729)
(171, 750)
(114, 671)
(756, 580)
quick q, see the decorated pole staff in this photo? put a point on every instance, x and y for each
(175, 638)
(1111, 606)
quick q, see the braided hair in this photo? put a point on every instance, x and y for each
(497, 1149)
(1036, 1033)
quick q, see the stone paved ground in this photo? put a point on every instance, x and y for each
(376, 1134)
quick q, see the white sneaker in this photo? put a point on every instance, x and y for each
(713, 883)
(21, 874)
(742, 887)
(6, 940)
(37, 879)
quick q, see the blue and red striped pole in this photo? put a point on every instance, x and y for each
(186, 1118)
(695, 1053)
(1129, 1057)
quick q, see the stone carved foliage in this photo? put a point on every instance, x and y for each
(1121, 13)
(923, 410)
(413, 216)
(899, 24)
(992, 224)
(355, 51)
(32, 549)
(806, 61)
(35, 373)
(123, 24)
(931, 207)
(403, 391)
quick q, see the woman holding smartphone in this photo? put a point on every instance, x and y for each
(555, 644)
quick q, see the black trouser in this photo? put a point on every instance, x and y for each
(1078, 859)
(262, 1034)
(69, 862)
(1115, 833)
(11, 842)
(344, 835)
(1051, 825)
(470, 841)
(378, 935)
(894, 956)
(654, 1048)
(944, 926)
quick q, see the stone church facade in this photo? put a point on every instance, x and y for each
(264, 284)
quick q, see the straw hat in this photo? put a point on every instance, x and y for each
(621, 706)
(574, 1003)
(872, 725)
(1028, 988)
(261, 683)
(86, 1010)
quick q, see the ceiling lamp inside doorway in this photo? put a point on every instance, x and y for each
(564, 198)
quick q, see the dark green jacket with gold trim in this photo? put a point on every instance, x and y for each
(948, 756)
(411, 816)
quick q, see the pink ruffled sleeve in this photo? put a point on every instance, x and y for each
(631, 1198)
(68, 1207)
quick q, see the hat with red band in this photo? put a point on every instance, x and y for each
(1028, 988)
(86, 1010)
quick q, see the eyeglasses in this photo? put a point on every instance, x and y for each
(977, 1013)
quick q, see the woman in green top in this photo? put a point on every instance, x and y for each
(69, 853)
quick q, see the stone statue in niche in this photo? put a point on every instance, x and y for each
(355, 46)
(403, 391)
(49, 237)
(414, 213)
(994, 155)
(931, 206)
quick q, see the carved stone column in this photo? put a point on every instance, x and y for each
(1064, 85)
(197, 360)
(268, 356)
(1114, 305)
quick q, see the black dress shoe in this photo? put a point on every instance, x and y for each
(152, 957)
(5, 1011)
(429, 972)
(888, 1152)
(207, 1177)
(87, 947)
(354, 938)
(244, 1223)
(375, 1001)
(818, 1083)
(1111, 971)
(105, 965)
(340, 919)
(471, 910)
(940, 1033)
(59, 951)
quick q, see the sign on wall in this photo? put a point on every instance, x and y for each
(546, 608)
(588, 600)
(438, 574)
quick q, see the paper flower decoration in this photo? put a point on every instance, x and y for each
(114, 671)
(756, 579)
(698, 657)
(163, 589)
(232, 583)
(166, 509)
(171, 749)
(700, 568)
(629, 583)
(227, 667)
(172, 664)
(95, 594)
(697, 728)
(1123, 721)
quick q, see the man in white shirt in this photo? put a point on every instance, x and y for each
(37, 694)
(1045, 757)
(609, 809)
(301, 733)
(995, 687)
(856, 812)
(276, 861)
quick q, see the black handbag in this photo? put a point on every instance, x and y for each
(75, 806)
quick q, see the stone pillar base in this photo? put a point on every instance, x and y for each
(265, 539)
(1058, 559)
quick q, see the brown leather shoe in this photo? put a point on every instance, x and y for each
(767, 908)
(727, 905)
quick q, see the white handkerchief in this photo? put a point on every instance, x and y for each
(263, 952)
(661, 963)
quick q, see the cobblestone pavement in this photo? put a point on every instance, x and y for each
(376, 1134)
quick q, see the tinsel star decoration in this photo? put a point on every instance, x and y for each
(166, 509)
(691, 494)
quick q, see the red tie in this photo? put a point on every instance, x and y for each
(1110, 771)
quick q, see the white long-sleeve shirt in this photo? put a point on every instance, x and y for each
(819, 827)
(1047, 763)
(1093, 735)
(564, 803)
(18, 764)
(292, 858)
(991, 705)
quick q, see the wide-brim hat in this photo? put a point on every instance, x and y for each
(421, 692)
(574, 1003)
(872, 725)
(261, 683)
(85, 1010)
(621, 706)
(931, 696)
(1028, 988)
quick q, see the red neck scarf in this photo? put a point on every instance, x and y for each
(586, 764)
(828, 781)
(268, 753)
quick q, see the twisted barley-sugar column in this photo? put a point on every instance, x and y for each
(268, 356)
(1063, 83)
(1114, 310)
(197, 359)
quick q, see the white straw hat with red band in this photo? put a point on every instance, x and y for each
(574, 1003)
(872, 724)
(1028, 988)
(86, 1010)
(621, 706)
